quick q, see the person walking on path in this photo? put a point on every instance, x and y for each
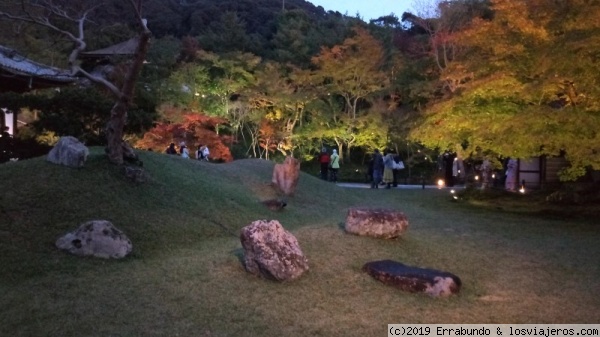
(324, 161)
(388, 170)
(335, 165)
(377, 169)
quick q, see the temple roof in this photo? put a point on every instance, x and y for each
(20, 74)
(124, 48)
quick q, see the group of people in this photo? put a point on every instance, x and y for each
(454, 170)
(330, 165)
(202, 153)
(384, 169)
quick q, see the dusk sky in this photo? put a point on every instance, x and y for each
(368, 9)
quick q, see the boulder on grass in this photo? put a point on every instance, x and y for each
(275, 204)
(272, 252)
(286, 175)
(414, 279)
(136, 174)
(376, 222)
(69, 151)
(97, 238)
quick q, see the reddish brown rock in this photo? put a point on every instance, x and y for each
(414, 279)
(376, 222)
(285, 176)
(272, 252)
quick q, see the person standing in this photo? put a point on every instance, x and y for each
(185, 153)
(388, 170)
(398, 165)
(205, 153)
(171, 149)
(324, 161)
(511, 175)
(448, 162)
(199, 152)
(369, 176)
(377, 169)
(335, 165)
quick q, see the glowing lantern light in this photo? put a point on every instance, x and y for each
(441, 183)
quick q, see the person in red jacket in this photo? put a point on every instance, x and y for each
(324, 161)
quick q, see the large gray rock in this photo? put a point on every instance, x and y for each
(414, 279)
(97, 238)
(272, 252)
(375, 222)
(69, 151)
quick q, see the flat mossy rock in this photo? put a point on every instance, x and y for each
(376, 222)
(98, 238)
(414, 279)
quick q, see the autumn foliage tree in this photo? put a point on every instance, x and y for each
(353, 72)
(195, 130)
(534, 67)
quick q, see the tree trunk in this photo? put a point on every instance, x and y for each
(118, 114)
(114, 132)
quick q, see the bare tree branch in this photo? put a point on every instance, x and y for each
(52, 14)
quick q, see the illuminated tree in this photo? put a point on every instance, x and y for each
(351, 70)
(533, 89)
(195, 129)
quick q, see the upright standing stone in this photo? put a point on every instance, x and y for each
(272, 252)
(285, 176)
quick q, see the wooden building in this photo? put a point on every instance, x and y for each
(540, 172)
(20, 74)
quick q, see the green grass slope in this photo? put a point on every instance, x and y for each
(184, 276)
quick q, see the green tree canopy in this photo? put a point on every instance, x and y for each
(531, 87)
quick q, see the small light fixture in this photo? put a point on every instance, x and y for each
(440, 183)
(493, 175)
(452, 191)
(522, 189)
(476, 178)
